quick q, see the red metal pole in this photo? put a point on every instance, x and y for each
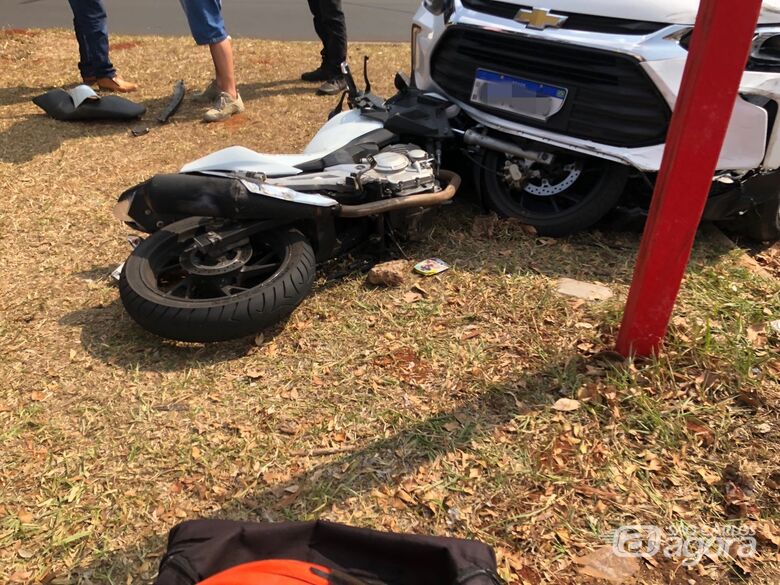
(718, 54)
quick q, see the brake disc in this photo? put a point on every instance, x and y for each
(195, 262)
(546, 189)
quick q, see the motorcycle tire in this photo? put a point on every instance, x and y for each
(173, 292)
(763, 223)
(578, 192)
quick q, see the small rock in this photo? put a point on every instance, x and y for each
(775, 326)
(389, 273)
(588, 291)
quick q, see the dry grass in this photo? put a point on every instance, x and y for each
(429, 413)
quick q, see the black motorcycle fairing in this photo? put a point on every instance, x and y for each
(167, 198)
(352, 152)
(413, 113)
(742, 197)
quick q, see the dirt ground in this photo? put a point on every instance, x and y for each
(434, 408)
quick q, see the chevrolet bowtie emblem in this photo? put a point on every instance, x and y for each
(539, 18)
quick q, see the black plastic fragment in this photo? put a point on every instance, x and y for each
(173, 105)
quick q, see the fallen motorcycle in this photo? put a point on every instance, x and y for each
(235, 236)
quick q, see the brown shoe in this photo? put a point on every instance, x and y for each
(89, 80)
(116, 84)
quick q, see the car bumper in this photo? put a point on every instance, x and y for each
(659, 56)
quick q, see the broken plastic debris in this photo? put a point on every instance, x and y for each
(117, 273)
(431, 267)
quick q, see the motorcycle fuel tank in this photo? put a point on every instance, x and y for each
(337, 133)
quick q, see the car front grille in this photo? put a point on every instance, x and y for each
(575, 21)
(610, 98)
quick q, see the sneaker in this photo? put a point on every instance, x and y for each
(319, 74)
(333, 86)
(209, 94)
(224, 107)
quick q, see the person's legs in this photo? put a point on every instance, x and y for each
(222, 55)
(316, 12)
(208, 28)
(334, 35)
(91, 26)
(334, 26)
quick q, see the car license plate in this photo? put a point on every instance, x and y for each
(517, 95)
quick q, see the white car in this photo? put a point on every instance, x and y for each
(593, 83)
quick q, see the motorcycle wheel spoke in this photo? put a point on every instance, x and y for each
(232, 289)
(521, 199)
(186, 283)
(569, 197)
(257, 269)
(170, 265)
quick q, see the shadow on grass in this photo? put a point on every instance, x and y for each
(111, 336)
(260, 90)
(382, 463)
(10, 96)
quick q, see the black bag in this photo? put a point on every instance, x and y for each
(59, 105)
(199, 549)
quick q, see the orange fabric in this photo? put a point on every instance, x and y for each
(277, 572)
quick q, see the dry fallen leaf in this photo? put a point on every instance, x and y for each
(25, 517)
(756, 334)
(604, 563)
(412, 297)
(566, 405)
(709, 478)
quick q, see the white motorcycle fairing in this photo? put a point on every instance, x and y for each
(335, 134)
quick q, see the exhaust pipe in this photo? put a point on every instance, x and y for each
(476, 138)
(429, 199)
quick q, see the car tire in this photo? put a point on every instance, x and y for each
(763, 223)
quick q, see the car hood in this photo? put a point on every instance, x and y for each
(669, 11)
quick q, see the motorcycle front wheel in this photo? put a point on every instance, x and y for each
(565, 197)
(175, 291)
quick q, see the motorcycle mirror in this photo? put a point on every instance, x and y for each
(352, 89)
(365, 74)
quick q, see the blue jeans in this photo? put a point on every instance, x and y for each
(91, 26)
(205, 20)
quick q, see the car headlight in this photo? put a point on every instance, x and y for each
(440, 6)
(765, 52)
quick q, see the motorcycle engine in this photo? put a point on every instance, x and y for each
(398, 171)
